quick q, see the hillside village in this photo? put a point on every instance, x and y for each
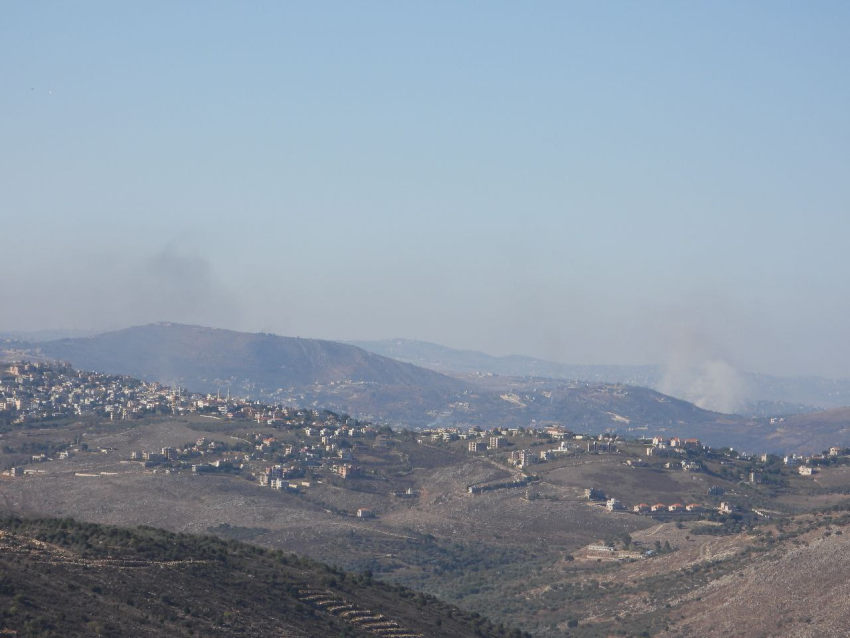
(295, 449)
(36, 391)
(408, 505)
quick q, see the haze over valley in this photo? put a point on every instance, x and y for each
(437, 320)
(394, 391)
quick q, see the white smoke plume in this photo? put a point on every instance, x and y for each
(695, 372)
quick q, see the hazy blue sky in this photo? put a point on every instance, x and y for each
(590, 182)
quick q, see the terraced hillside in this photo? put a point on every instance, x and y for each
(59, 577)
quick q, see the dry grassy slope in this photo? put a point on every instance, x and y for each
(591, 408)
(506, 543)
(804, 593)
(196, 356)
(813, 432)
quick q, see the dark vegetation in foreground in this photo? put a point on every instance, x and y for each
(61, 577)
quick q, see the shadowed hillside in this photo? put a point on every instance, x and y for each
(65, 578)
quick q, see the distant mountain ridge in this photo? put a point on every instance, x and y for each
(765, 394)
(345, 378)
(348, 379)
(46, 335)
(445, 359)
(206, 358)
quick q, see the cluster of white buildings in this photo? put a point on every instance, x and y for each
(40, 391)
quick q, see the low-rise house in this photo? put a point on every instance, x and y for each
(693, 507)
(558, 432)
(365, 513)
(607, 549)
(676, 507)
(641, 508)
(613, 505)
(805, 470)
(659, 507)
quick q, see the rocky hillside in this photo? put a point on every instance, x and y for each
(798, 589)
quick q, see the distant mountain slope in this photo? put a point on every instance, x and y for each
(445, 359)
(344, 378)
(59, 577)
(814, 432)
(207, 358)
(45, 335)
(762, 394)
